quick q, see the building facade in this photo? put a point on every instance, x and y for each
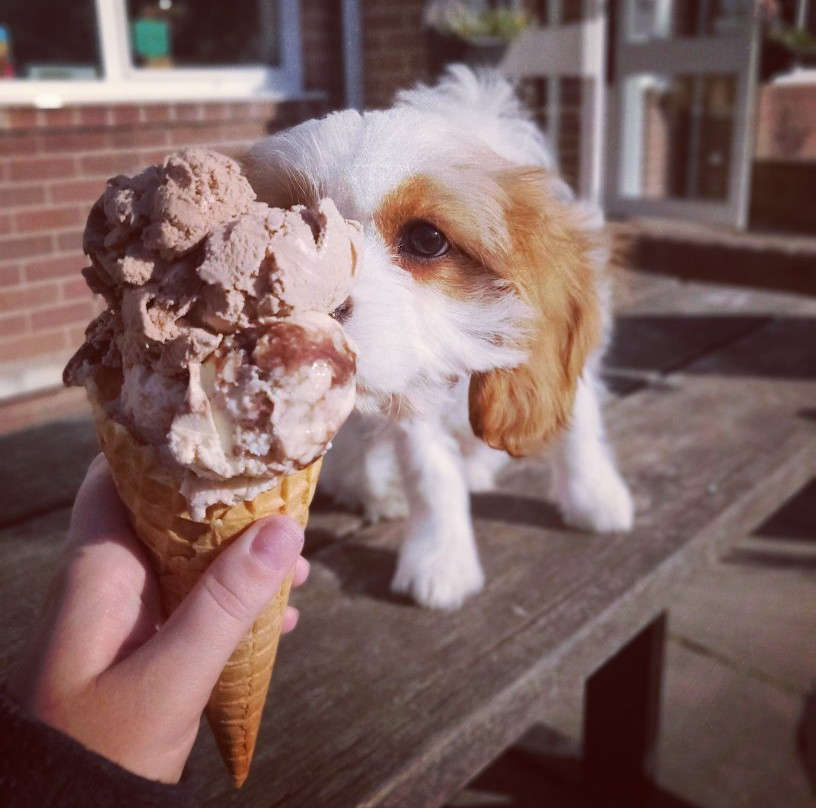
(94, 88)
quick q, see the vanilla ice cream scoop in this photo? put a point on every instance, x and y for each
(217, 345)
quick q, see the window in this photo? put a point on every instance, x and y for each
(665, 19)
(50, 40)
(202, 33)
(129, 50)
(679, 133)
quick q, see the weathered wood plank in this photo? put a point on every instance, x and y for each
(377, 702)
(404, 705)
(42, 468)
(668, 294)
(28, 557)
(662, 343)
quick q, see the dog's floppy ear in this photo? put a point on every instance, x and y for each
(551, 266)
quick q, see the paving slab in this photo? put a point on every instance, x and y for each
(729, 740)
(755, 616)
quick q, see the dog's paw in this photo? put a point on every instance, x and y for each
(437, 577)
(599, 502)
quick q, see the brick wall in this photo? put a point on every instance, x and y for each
(323, 68)
(786, 122)
(53, 165)
(783, 180)
(394, 48)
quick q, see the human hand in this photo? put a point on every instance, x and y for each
(106, 668)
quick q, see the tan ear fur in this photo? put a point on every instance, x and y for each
(550, 265)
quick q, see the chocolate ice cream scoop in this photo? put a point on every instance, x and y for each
(217, 345)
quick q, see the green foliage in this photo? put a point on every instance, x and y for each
(502, 22)
(796, 40)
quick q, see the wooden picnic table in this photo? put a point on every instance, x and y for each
(376, 702)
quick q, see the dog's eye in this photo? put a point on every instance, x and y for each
(424, 240)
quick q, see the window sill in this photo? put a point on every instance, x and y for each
(31, 376)
(165, 86)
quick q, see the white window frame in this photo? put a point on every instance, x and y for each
(121, 82)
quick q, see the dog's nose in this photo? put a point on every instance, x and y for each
(343, 312)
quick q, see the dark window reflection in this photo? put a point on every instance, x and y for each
(203, 33)
(42, 39)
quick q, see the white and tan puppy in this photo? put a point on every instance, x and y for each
(480, 313)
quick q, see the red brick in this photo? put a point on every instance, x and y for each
(85, 191)
(94, 116)
(10, 274)
(75, 335)
(79, 311)
(181, 136)
(57, 118)
(222, 112)
(14, 143)
(77, 141)
(22, 118)
(70, 241)
(236, 149)
(110, 164)
(262, 110)
(150, 158)
(157, 113)
(14, 196)
(13, 325)
(240, 131)
(30, 345)
(42, 168)
(75, 289)
(136, 138)
(62, 266)
(188, 112)
(5, 223)
(24, 246)
(49, 218)
(126, 114)
(22, 298)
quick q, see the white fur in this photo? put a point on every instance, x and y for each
(409, 449)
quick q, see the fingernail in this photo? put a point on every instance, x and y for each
(302, 566)
(278, 543)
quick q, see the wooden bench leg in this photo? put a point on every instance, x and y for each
(622, 708)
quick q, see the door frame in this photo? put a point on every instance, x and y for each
(734, 54)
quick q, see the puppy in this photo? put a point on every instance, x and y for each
(480, 312)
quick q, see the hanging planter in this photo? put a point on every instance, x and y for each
(784, 49)
(471, 32)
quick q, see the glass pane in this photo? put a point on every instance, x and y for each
(678, 135)
(203, 33)
(662, 19)
(41, 39)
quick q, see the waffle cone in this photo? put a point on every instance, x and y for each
(181, 548)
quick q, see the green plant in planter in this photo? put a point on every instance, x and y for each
(799, 41)
(785, 48)
(473, 22)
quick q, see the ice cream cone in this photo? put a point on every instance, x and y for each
(215, 369)
(181, 548)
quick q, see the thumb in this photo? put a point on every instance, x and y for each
(193, 646)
